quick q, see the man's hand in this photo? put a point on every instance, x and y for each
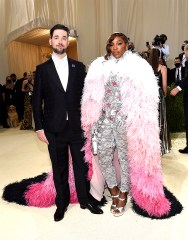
(174, 91)
(41, 135)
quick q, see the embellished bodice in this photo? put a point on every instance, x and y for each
(112, 99)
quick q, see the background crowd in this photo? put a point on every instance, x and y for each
(18, 93)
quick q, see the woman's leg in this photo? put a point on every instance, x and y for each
(106, 148)
(121, 144)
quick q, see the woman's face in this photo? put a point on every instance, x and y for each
(118, 47)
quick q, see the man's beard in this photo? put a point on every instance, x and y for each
(62, 51)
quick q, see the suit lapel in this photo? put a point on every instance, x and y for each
(72, 68)
(54, 75)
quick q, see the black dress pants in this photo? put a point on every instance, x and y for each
(59, 145)
(186, 120)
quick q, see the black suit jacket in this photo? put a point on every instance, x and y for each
(51, 102)
(184, 84)
(172, 77)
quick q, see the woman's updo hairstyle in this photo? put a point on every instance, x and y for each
(111, 39)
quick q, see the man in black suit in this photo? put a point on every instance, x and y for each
(56, 109)
(19, 96)
(183, 85)
(177, 73)
(182, 55)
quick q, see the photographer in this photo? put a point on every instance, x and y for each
(165, 48)
(159, 43)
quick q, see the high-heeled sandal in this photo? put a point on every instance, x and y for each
(121, 210)
(113, 206)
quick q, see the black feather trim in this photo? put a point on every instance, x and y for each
(176, 207)
(100, 203)
(14, 192)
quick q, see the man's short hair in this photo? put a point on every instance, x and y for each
(186, 47)
(177, 58)
(59, 26)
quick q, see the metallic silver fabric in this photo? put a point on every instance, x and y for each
(164, 132)
(111, 134)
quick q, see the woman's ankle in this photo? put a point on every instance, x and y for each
(115, 194)
(122, 200)
(114, 191)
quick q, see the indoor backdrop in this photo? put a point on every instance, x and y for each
(94, 21)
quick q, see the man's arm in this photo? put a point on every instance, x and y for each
(183, 84)
(165, 49)
(38, 100)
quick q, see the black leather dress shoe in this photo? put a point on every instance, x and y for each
(100, 203)
(92, 208)
(59, 214)
(185, 150)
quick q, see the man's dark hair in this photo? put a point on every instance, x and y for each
(59, 26)
(13, 75)
(163, 36)
(177, 58)
(25, 74)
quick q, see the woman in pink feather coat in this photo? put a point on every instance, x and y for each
(120, 104)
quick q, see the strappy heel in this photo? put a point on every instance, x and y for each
(113, 206)
(119, 211)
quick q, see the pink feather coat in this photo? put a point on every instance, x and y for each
(140, 97)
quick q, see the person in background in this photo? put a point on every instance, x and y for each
(27, 88)
(160, 72)
(131, 47)
(183, 85)
(182, 55)
(164, 47)
(177, 73)
(19, 96)
(9, 92)
(159, 43)
(13, 77)
(3, 110)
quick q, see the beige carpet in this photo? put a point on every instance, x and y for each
(22, 155)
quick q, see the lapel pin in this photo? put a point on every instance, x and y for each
(73, 65)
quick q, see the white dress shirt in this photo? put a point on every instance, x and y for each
(183, 60)
(62, 68)
(166, 51)
(178, 69)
